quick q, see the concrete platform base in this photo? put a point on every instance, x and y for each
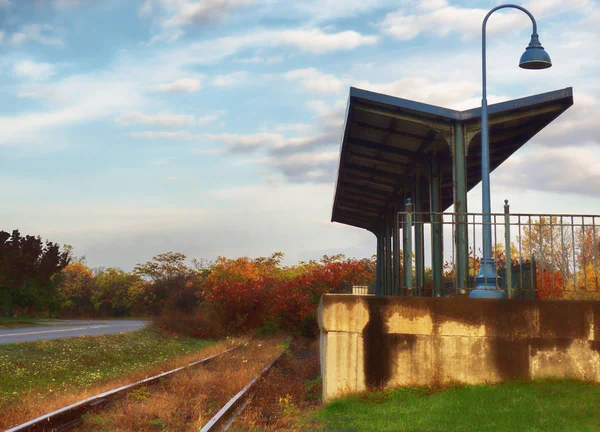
(383, 342)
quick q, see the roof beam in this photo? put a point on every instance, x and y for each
(368, 193)
(350, 215)
(361, 211)
(366, 189)
(384, 148)
(357, 217)
(387, 131)
(370, 184)
(368, 174)
(427, 121)
(360, 203)
(393, 165)
(521, 115)
(364, 199)
(370, 170)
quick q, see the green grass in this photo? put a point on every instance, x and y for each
(69, 364)
(536, 406)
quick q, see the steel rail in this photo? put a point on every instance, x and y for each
(70, 415)
(229, 412)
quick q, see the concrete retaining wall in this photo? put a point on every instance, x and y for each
(384, 342)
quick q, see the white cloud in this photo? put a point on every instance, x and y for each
(312, 40)
(41, 33)
(260, 59)
(317, 42)
(445, 19)
(119, 87)
(576, 127)
(209, 118)
(161, 161)
(146, 8)
(311, 156)
(4, 3)
(233, 143)
(70, 3)
(33, 128)
(169, 36)
(295, 127)
(163, 119)
(448, 94)
(79, 99)
(543, 7)
(316, 81)
(28, 69)
(581, 163)
(282, 152)
(1, 36)
(325, 10)
(201, 12)
(230, 79)
(236, 143)
(312, 167)
(175, 135)
(46, 94)
(440, 18)
(182, 85)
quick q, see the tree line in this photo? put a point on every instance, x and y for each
(28, 274)
(40, 279)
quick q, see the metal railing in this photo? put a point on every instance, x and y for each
(552, 256)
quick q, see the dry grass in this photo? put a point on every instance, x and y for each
(33, 404)
(189, 399)
(290, 392)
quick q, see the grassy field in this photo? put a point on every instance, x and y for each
(39, 368)
(537, 406)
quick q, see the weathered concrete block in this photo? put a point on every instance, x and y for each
(383, 342)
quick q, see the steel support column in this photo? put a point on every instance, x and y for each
(419, 240)
(396, 241)
(404, 248)
(461, 240)
(378, 268)
(437, 244)
(390, 275)
(408, 249)
(384, 268)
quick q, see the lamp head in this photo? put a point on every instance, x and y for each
(534, 56)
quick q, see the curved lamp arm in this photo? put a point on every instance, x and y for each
(483, 36)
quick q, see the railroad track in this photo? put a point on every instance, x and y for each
(71, 416)
(227, 415)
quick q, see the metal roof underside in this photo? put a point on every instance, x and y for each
(387, 142)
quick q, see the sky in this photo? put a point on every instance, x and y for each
(130, 128)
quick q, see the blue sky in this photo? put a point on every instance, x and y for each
(131, 128)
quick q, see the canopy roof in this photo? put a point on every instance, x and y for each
(387, 142)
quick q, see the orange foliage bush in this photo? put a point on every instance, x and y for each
(544, 282)
(257, 292)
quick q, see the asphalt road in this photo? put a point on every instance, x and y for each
(67, 329)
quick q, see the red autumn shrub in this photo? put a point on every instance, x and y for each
(254, 292)
(544, 289)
